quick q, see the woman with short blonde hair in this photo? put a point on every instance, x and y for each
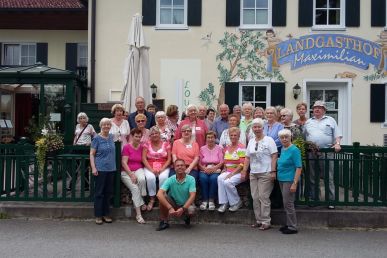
(120, 126)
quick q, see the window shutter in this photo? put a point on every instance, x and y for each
(1, 53)
(233, 12)
(231, 94)
(149, 12)
(71, 56)
(305, 13)
(194, 13)
(378, 103)
(378, 13)
(42, 53)
(277, 94)
(352, 13)
(279, 13)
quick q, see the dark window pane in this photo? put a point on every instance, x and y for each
(260, 93)
(247, 93)
(321, 17)
(334, 17)
(315, 95)
(334, 3)
(321, 3)
(248, 4)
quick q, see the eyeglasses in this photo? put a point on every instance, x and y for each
(140, 121)
(187, 131)
(283, 115)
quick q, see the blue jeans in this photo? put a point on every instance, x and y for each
(193, 173)
(209, 185)
(103, 193)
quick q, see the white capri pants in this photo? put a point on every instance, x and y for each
(227, 192)
(151, 180)
(133, 188)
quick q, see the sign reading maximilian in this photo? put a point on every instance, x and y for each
(328, 48)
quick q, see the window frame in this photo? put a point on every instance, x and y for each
(79, 45)
(341, 26)
(255, 84)
(269, 24)
(3, 55)
(182, 26)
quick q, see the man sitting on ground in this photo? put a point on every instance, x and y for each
(176, 196)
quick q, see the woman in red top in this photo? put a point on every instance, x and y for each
(156, 157)
(198, 127)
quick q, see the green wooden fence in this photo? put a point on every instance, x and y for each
(359, 174)
(66, 176)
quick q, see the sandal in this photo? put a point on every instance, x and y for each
(150, 205)
(264, 227)
(143, 207)
(140, 219)
(256, 225)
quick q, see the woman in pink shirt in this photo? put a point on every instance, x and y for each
(133, 174)
(187, 150)
(197, 126)
(156, 156)
(210, 164)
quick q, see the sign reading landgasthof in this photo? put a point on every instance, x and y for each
(329, 48)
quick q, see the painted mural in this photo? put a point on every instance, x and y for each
(249, 55)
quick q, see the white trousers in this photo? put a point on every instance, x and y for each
(151, 180)
(133, 188)
(227, 192)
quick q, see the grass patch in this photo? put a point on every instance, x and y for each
(4, 216)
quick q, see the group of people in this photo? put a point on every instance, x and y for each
(213, 153)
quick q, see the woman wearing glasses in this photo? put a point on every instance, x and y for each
(261, 156)
(286, 120)
(187, 150)
(140, 120)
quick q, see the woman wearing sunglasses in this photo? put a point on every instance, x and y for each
(261, 156)
(140, 120)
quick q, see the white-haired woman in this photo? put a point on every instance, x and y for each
(84, 132)
(261, 156)
(103, 166)
(198, 127)
(165, 132)
(234, 156)
(156, 157)
(286, 120)
(120, 126)
(272, 126)
(247, 111)
(289, 172)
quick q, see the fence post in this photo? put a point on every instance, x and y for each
(356, 170)
(117, 177)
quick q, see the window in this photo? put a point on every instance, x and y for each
(256, 13)
(171, 13)
(258, 94)
(19, 54)
(82, 55)
(329, 14)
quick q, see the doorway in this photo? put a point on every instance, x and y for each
(337, 96)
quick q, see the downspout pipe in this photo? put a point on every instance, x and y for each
(92, 50)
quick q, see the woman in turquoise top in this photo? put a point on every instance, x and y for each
(103, 166)
(289, 169)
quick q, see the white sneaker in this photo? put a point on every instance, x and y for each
(236, 206)
(203, 206)
(223, 208)
(211, 206)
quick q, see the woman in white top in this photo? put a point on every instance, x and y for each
(261, 155)
(120, 126)
(84, 132)
(233, 121)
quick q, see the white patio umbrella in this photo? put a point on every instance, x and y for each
(136, 68)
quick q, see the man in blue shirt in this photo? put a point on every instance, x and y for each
(221, 123)
(140, 106)
(176, 196)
